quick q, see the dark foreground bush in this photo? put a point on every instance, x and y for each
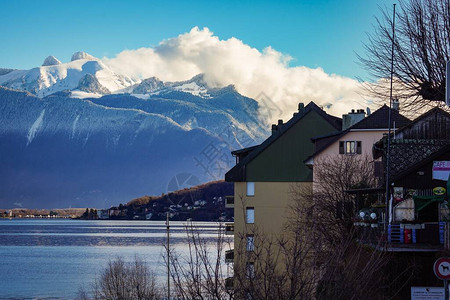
(123, 281)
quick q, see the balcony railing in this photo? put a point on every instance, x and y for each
(229, 201)
(229, 228)
(229, 256)
(427, 236)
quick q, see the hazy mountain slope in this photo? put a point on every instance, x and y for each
(59, 151)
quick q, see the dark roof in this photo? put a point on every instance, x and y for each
(377, 120)
(423, 116)
(380, 118)
(243, 150)
(313, 139)
(421, 163)
(237, 173)
(378, 146)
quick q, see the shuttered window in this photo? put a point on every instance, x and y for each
(350, 147)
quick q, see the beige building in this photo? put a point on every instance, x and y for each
(265, 175)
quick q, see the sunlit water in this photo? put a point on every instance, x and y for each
(52, 259)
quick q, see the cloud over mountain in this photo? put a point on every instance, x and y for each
(252, 71)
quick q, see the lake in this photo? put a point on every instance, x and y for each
(53, 258)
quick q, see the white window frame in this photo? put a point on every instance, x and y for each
(250, 189)
(250, 215)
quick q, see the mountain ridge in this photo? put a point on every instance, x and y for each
(61, 151)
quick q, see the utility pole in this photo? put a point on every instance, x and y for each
(388, 154)
(168, 255)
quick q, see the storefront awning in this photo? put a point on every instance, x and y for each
(421, 202)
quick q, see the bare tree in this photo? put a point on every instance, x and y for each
(348, 268)
(200, 274)
(123, 281)
(317, 256)
(421, 50)
(275, 266)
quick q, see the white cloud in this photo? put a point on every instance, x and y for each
(231, 61)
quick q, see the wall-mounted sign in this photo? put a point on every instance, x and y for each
(427, 293)
(441, 170)
(439, 191)
(398, 193)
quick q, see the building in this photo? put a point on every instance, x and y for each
(354, 142)
(414, 222)
(416, 215)
(358, 135)
(103, 214)
(264, 175)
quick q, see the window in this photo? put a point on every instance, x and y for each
(250, 242)
(250, 189)
(250, 270)
(349, 147)
(250, 215)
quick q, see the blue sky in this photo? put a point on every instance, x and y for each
(315, 33)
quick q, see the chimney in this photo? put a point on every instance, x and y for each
(274, 128)
(395, 105)
(280, 124)
(301, 107)
(352, 118)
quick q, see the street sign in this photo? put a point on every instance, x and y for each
(442, 268)
(427, 293)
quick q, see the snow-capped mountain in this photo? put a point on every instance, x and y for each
(87, 76)
(148, 86)
(68, 142)
(51, 61)
(54, 76)
(89, 84)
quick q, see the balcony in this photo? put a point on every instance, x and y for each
(229, 228)
(229, 256)
(229, 201)
(405, 237)
(229, 283)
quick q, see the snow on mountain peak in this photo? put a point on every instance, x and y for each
(199, 80)
(149, 85)
(90, 84)
(81, 55)
(51, 61)
(196, 86)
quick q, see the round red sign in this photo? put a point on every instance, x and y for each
(442, 268)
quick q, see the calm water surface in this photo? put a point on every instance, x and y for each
(52, 259)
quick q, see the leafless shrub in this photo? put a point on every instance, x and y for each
(123, 281)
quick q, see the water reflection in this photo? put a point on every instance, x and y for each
(53, 258)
